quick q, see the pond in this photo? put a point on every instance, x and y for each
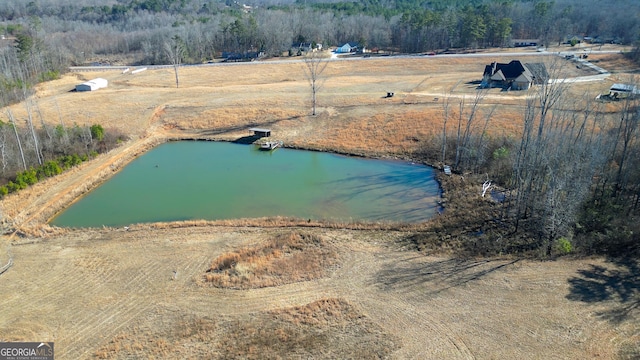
(190, 180)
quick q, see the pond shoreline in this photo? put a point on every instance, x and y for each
(74, 184)
(189, 180)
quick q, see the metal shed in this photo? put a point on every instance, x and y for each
(92, 85)
(623, 90)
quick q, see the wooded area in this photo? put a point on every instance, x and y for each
(73, 32)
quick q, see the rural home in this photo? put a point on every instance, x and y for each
(514, 75)
(524, 42)
(349, 48)
(246, 56)
(300, 48)
(92, 85)
(573, 39)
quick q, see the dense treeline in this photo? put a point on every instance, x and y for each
(28, 155)
(87, 29)
(570, 181)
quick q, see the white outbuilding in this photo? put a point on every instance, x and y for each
(92, 85)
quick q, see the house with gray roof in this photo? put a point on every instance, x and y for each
(514, 75)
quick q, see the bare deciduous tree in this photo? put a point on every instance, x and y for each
(558, 156)
(32, 129)
(175, 50)
(466, 128)
(15, 129)
(446, 101)
(314, 65)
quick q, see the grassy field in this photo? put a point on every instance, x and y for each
(284, 288)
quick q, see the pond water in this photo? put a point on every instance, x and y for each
(190, 180)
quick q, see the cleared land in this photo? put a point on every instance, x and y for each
(111, 293)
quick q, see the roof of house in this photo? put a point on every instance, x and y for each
(509, 71)
(516, 71)
(525, 77)
(301, 45)
(497, 76)
(524, 40)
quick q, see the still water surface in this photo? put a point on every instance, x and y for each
(215, 180)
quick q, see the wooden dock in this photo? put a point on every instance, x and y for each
(270, 145)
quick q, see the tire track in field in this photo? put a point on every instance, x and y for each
(58, 283)
(191, 268)
(142, 278)
(103, 294)
(129, 282)
(101, 327)
(119, 287)
(231, 302)
(133, 294)
(66, 286)
(87, 282)
(136, 296)
(422, 334)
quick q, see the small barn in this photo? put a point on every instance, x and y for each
(92, 85)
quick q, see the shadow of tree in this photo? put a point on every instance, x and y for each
(441, 274)
(619, 284)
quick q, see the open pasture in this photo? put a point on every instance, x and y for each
(142, 292)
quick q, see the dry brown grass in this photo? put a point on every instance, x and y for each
(615, 63)
(284, 259)
(187, 338)
(324, 329)
(464, 227)
(276, 222)
(109, 293)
